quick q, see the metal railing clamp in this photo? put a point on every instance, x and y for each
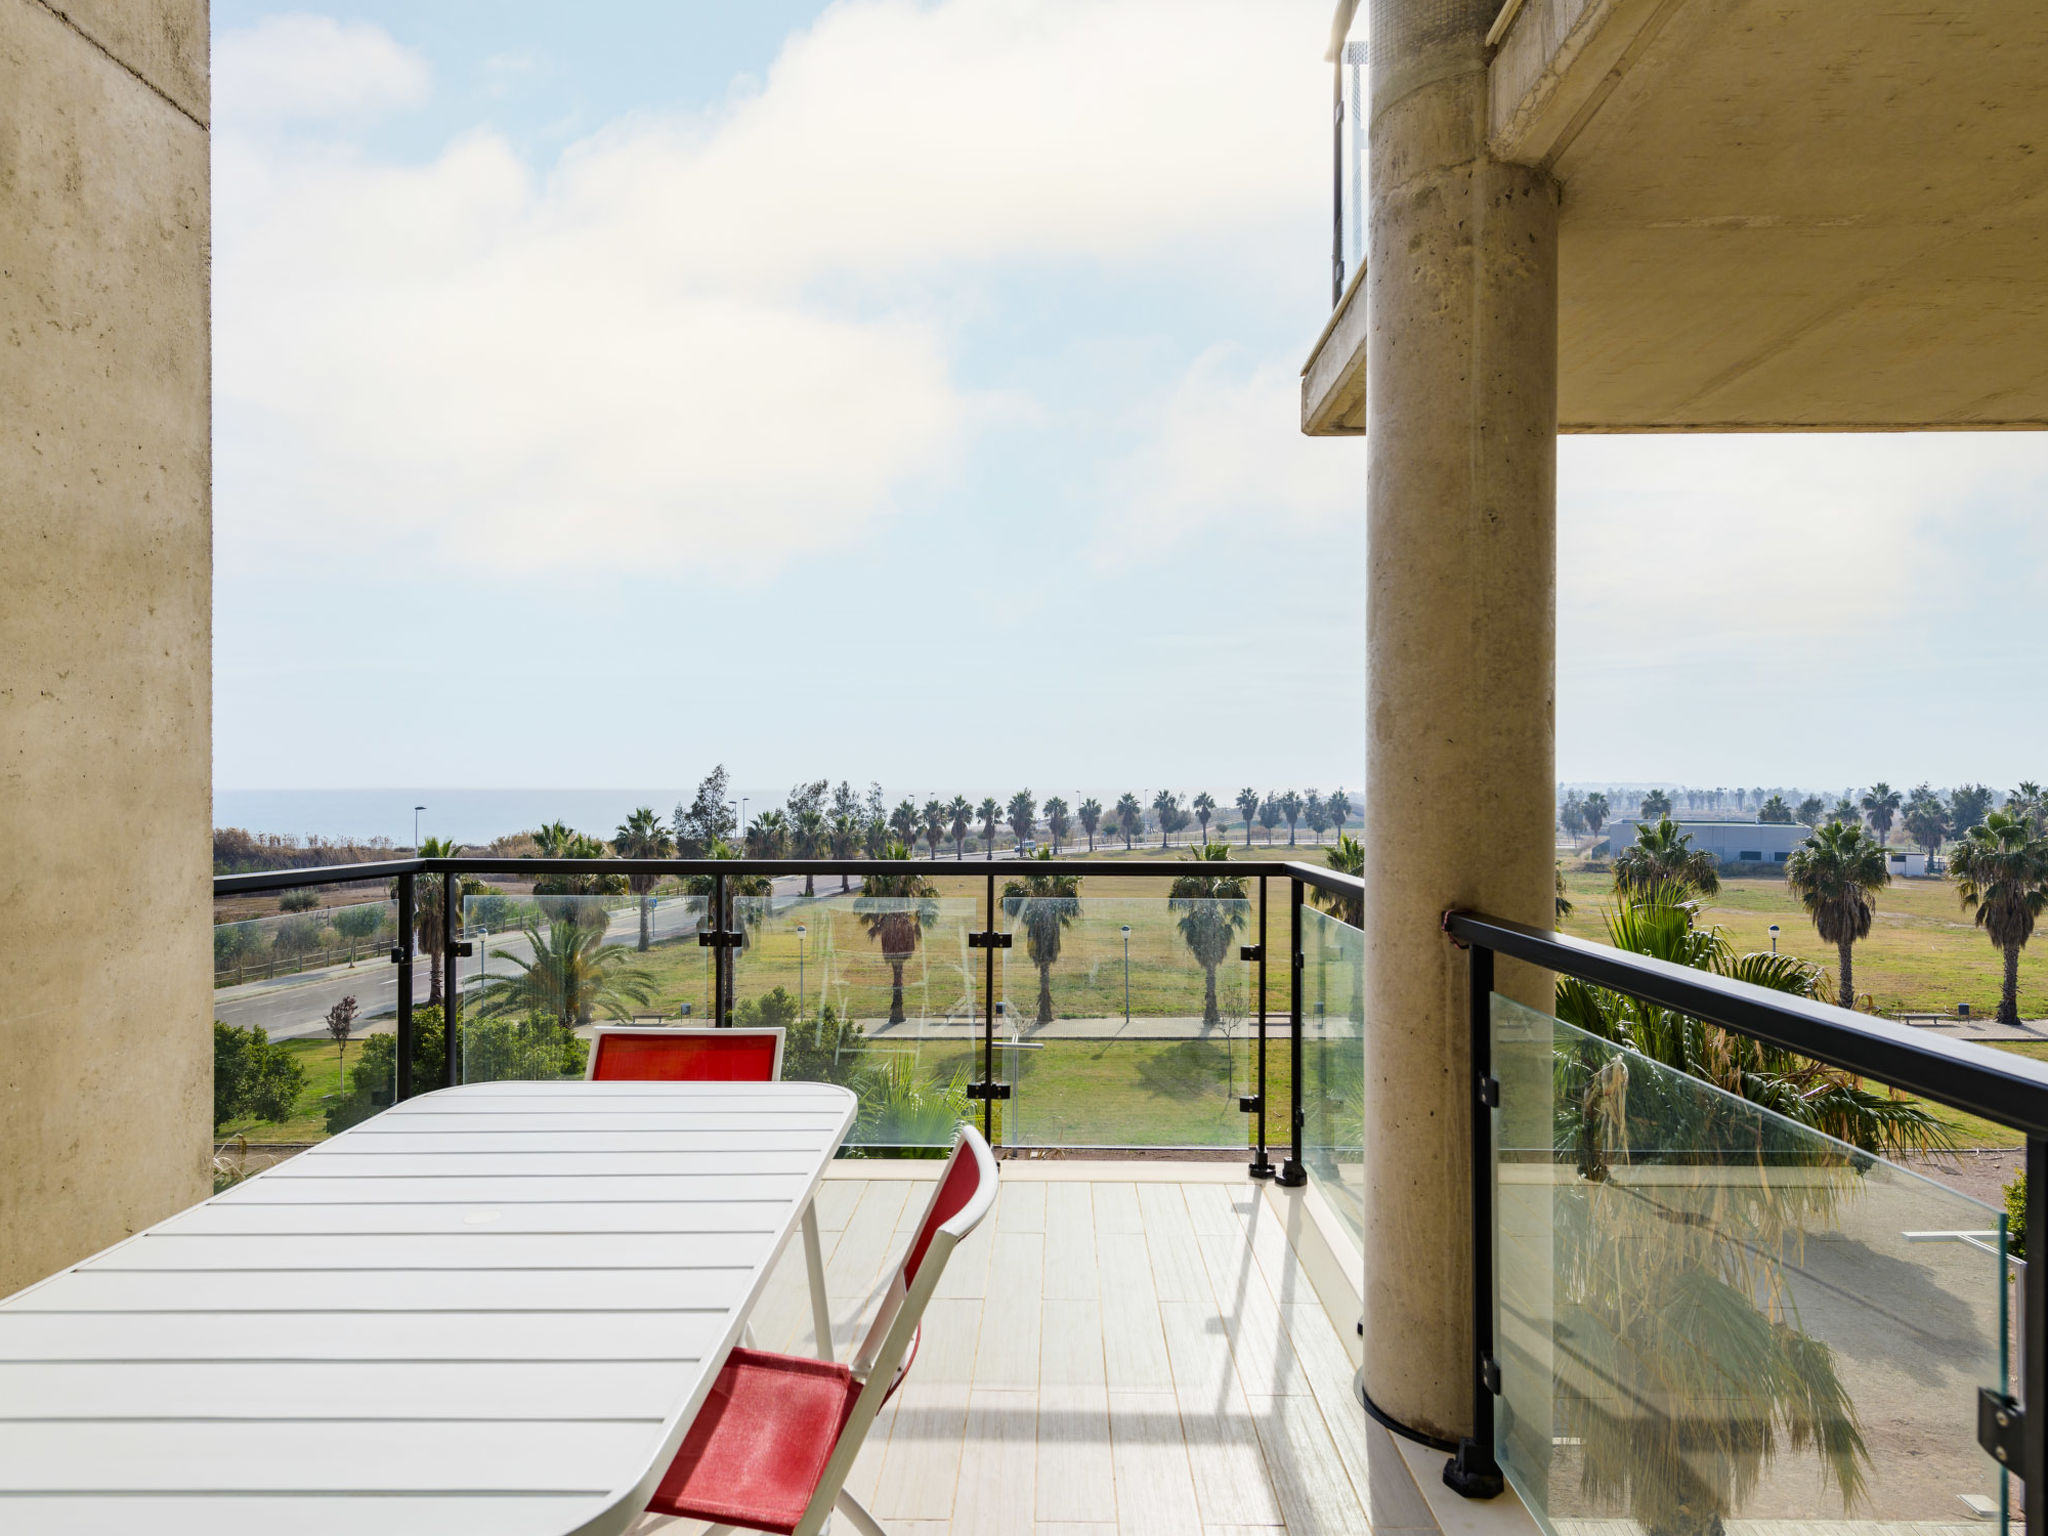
(2001, 1428)
(720, 938)
(1489, 1091)
(989, 1091)
(1250, 1103)
(1489, 1374)
(1252, 952)
(991, 940)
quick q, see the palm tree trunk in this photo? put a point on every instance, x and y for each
(1045, 994)
(896, 992)
(1211, 1015)
(809, 888)
(1247, 831)
(646, 923)
(1846, 991)
(2009, 994)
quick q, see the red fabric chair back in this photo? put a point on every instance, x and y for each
(686, 1056)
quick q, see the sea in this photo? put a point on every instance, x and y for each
(462, 815)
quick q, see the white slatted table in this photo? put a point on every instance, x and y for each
(493, 1309)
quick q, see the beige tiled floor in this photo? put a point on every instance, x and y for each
(1106, 1355)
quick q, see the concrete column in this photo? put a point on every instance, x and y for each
(1461, 638)
(106, 998)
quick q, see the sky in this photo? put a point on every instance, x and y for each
(908, 390)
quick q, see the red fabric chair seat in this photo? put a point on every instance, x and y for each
(760, 1443)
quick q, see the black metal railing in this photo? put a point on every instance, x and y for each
(2009, 1090)
(722, 937)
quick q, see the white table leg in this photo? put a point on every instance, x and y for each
(814, 1261)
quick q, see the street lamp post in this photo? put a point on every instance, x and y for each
(800, 931)
(1774, 938)
(416, 828)
(1127, 973)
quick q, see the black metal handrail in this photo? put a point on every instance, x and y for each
(2007, 1089)
(721, 939)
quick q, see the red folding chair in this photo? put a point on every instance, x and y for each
(772, 1446)
(622, 1055)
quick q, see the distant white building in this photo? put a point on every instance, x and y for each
(1907, 865)
(1732, 842)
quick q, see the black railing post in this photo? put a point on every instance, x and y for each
(1472, 1471)
(451, 1030)
(1294, 1172)
(988, 1022)
(1262, 1165)
(2034, 1329)
(721, 957)
(401, 956)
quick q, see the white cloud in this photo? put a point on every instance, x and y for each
(683, 336)
(1225, 453)
(313, 67)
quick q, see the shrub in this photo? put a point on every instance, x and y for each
(492, 1049)
(2016, 1217)
(297, 936)
(302, 900)
(253, 1078)
(361, 921)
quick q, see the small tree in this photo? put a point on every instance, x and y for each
(1966, 807)
(254, 1078)
(300, 900)
(1313, 813)
(1810, 811)
(341, 1023)
(1925, 819)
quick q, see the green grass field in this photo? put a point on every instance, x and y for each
(1923, 955)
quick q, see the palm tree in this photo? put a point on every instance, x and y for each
(1655, 803)
(1669, 1293)
(2029, 802)
(1775, 812)
(1834, 873)
(896, 909)
(1129, 817)
(1045, 906)
(1316, 814)
(643, 835)
(959, 817)
(1204, 806)
(1212, 913)
(1269, 818)
(1564, 901)
(1338, 808)
(1022, 816)
(1057, 822)
(807, 838)
(991, 815)
(1879, 806)
(903, 823)
(844, 834)
(1661, 855)
(768, 837)
(1926, 819)
(1594, 810)
(1347, 857)
(2001, 870)
(568, 974)
(1291, 806)
(1091, 818)
(934, 826)
(1810, 811)
(1166, 806)
(1248, 807)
